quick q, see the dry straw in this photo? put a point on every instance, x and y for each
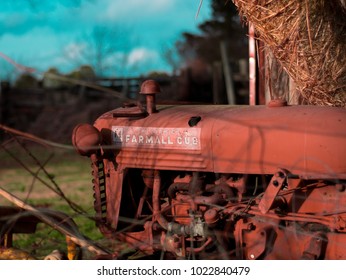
(308, 37)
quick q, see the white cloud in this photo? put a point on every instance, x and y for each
(115, 58)
(136, 8)
(141, 55)
(74, 50)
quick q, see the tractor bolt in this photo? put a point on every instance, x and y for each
(340, 187)
(251, 226)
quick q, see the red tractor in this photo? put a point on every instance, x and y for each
(224, 182)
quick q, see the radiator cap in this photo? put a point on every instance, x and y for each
(150, 87)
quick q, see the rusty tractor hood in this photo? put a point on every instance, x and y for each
(308, 141)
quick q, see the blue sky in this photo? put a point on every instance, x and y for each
(55, 33)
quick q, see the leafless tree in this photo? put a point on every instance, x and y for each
(103, 48)
(171, 56)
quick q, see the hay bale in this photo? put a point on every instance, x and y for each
(308, 37)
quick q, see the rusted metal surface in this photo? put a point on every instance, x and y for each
(242, 139)
(276, 184)
(277, 103)
(246, 182)
(150, 88)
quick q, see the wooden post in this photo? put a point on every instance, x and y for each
(217, 83)
(252, 65)
(261, 82)
(227, 70)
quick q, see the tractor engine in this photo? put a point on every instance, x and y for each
(219, 181)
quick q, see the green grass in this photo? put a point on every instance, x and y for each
(71, 172)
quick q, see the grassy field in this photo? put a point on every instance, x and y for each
(71, 172)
